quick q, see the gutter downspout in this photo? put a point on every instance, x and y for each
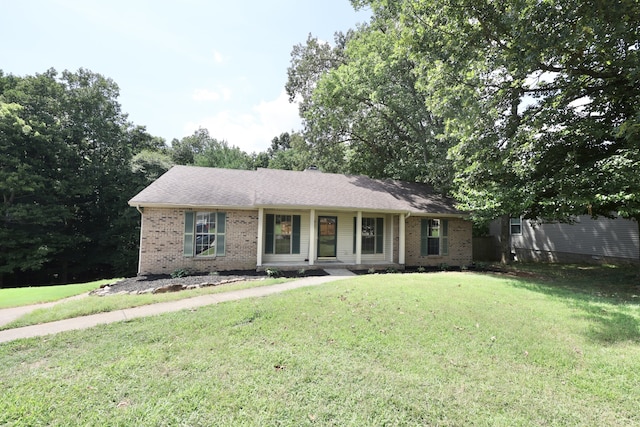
(141, 234)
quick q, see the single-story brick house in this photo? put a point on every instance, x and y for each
(209, 219)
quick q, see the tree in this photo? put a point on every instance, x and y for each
(290, 152)
(184, 151)
(367, 104)
(309, 63)
(201, 149)
(542, 97)
(66, 148)
(31, 220)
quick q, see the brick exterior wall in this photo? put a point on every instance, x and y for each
(162, 240)
(460, 244)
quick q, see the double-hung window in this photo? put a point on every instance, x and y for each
(434, 237)
(282, 234)
(515, 226)
(372, 235)
(204, 233)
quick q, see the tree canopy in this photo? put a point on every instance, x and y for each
(541, 96)
(361, 110)
(63, 144)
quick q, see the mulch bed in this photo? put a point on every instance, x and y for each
(165, 283)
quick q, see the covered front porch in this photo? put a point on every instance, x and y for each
(293, 239)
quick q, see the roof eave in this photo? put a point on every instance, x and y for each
(186, 206)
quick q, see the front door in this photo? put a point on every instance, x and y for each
(327, 236)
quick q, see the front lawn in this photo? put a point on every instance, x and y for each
(94, 304)
(445, 349)
(14, 297)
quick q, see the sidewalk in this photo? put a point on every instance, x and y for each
(85, 322)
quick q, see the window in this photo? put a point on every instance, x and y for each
(434, 237)
(282, 234)
(515, 225)
(204, 233)
(372, 235)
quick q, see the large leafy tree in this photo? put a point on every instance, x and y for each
(289, 151)
(365, 107)
(541, 95)
(65, 152)
(310, 62)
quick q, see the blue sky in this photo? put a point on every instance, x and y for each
(182, 64)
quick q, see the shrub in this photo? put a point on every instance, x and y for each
(179, 272)
(273, 272)
(371, 270)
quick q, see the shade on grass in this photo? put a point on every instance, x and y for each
(420, 349)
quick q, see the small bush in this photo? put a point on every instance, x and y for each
(179, 272)
(421, 269)
(443, 266)
(302, 272)
(371, 270)
(273, 272)
(391, 270)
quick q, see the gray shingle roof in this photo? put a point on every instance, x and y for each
(191, 186)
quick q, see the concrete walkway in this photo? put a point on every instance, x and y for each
(85, 322)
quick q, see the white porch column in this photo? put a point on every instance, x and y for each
(312, 236)
(401, 239)
(260, 237)
(359, 238)
(391, 237)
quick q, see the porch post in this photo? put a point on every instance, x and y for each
(401, 238)
(359, 238)
(260, 238)
(391, 237)
(312, 236)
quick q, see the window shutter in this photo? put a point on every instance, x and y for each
(221, 226)
(188, 233)
(268, 243)
(424, 233)
(379, 235)
(445, 237)
(295, 238)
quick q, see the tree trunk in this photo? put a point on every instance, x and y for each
(505, 239)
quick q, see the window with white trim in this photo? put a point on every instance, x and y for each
(204, 234)
(372, 235)
(515, 226)
(282, 234)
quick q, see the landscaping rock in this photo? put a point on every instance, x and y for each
(174, 287)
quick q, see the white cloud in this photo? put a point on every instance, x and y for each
(252, 130)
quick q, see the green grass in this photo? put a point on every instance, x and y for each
(100, 304)
(445, 349)
(15, 297)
